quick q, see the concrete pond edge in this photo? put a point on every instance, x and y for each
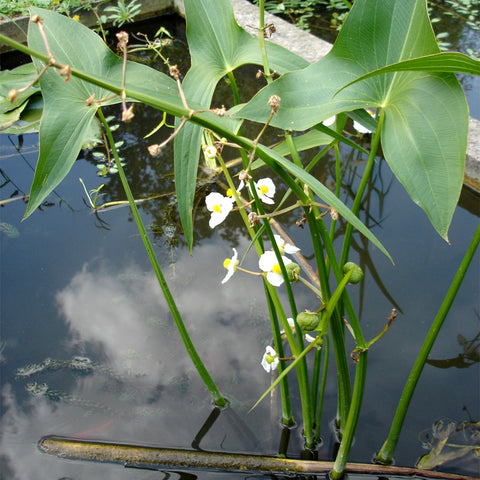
(308, 46)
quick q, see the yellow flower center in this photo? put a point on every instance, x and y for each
(229, 192)
(264, 189)
(227, 262)
(276, 268)
(269, 358)
(217, 208)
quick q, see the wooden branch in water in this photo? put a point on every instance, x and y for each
(152, 457)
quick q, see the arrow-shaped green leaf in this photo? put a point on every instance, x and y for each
(424, 137)
(66, 118)
(218, 45)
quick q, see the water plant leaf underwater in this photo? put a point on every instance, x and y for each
(424, 138)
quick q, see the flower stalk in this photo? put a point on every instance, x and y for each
(199, 365)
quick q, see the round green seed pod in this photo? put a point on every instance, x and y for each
(293, 272)
(308, 321)
(357, 274)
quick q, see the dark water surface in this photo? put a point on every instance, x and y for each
(77, 288)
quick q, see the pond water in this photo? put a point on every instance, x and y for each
(89, 348)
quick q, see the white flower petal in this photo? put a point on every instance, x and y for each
(274, 279)
(285, 247)
(289, 248)
(212, 199)
(270, 365)
(265, 190)
(360, 128)
(309, 338)
(267, 260)
(219, 206)
(329, 121)
(231, 266)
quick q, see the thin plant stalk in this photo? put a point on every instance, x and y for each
(319, 405)
(302, 373)
(261, 39)
(338, 470)
(347, 239)
(287, 416)
(386, 452)
(199, 365)
(319, 242)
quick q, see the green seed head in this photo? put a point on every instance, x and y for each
(293, 272)
(357, 274)
(308, 321)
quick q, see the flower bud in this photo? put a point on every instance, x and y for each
(293, 272)
(253, 219)
(357, 274)
(308, 321)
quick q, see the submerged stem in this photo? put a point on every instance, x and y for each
(200, 367)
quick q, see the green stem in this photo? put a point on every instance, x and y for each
(319, 233)
(287, 417)
(202, 371)
(347, 439)
(338, 186)
(261, 38)
(233, 85)
(386, 452)
(361, 189)
(318, 419)
(284, 387)
(302, 373)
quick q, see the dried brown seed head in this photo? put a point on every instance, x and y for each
(274, 102)
(127, 114)
(244, 176)
(175, 72)
(122, 40)
(253, 219)
(66, 72)
(221, 112)
(154, 150)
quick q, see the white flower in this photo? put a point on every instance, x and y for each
(210, 151)
(265, 190)
(268, 263)
(360, 128)
(231, 265)
(220, 207)
(270, 359)
(285, 247)
(329, 121)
